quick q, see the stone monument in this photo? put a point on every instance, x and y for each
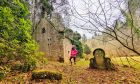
(99, 61)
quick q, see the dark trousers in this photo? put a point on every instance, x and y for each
(74, 58)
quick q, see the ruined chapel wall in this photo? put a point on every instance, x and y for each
(67, 48)
(50, 41)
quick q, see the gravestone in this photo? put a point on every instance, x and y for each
(100, 61)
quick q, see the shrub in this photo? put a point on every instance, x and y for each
(16, 67)
(87, 49)
(22, 67)
(26, 68)
(43, 74)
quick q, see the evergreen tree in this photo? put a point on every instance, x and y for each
(76, 36)
(76, 41)
(87, 49)
(84, 38)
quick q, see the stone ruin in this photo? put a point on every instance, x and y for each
(51, 42)
(99, 61)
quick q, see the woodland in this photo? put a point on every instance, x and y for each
(22, 62)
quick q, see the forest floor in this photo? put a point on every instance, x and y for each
(78, 74)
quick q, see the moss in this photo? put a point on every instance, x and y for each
(93, 63)
(16, 67)
(43, 74)
(2, 75)
(108, 64)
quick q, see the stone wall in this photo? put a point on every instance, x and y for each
(67, 48)
(51, 42)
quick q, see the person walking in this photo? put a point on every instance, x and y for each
(73, 55)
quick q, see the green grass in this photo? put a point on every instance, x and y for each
(129, 61)
(83, 63)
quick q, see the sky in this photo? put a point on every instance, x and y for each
(85, 14)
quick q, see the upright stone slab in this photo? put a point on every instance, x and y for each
(99, 56)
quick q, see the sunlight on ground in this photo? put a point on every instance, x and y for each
(129, 61)
(83, 63)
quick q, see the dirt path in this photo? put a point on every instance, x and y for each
(82, 75)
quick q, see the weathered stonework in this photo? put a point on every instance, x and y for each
(67, 48)
(51, 42)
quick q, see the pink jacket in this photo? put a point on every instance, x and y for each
(74, 53)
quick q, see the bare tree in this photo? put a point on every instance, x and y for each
(115, 18)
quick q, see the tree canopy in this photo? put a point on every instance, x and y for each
(16, 42)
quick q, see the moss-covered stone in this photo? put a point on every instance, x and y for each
(43, 74)
(108, 64)
(100, 61)
(93, 63)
